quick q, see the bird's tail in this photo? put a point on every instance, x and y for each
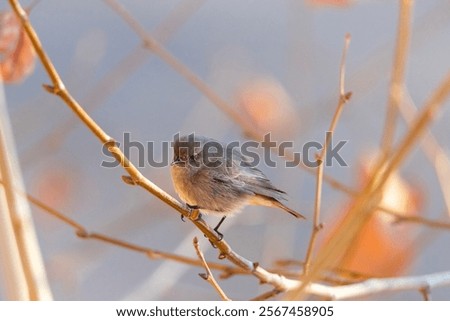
(289, 210)
(273, 202)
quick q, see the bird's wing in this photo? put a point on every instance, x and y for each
(249, 178)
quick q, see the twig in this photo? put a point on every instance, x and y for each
(398, 73)
(343, 98)
(423, 221)
(426, 293)
(435, 154)
(374, 286)
(32, 5)
(266, 295)
(208, 276)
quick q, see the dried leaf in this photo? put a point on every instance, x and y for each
(17, 55)
(382, 247)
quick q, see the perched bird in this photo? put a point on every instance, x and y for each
(217, 179)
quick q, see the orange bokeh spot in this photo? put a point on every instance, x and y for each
(383, 247)
(266, 105)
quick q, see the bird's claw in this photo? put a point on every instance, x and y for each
(220, 235)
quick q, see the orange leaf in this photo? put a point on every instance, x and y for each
(382, 248)
(17, 56)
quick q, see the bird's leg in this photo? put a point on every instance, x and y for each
(216, 229)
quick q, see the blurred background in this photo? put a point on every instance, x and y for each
(277, 64)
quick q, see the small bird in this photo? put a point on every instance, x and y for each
(216, 179)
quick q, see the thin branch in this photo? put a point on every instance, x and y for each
(374, 286)
(176, 18)
(398, 73)
(208, 276)
(32, 5)
(423, 221)
(426, 293)
(343, 98)
(435, 154)
(266, 295)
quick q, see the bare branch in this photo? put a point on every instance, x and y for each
(423, 221)
(343, 98)
(266, 295)
(374, 286)
(426, 293)
(208, 276)
(435, 154)
(398, 73)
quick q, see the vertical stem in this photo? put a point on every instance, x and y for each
(343, 98)
(26, 266)
(398, 74)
